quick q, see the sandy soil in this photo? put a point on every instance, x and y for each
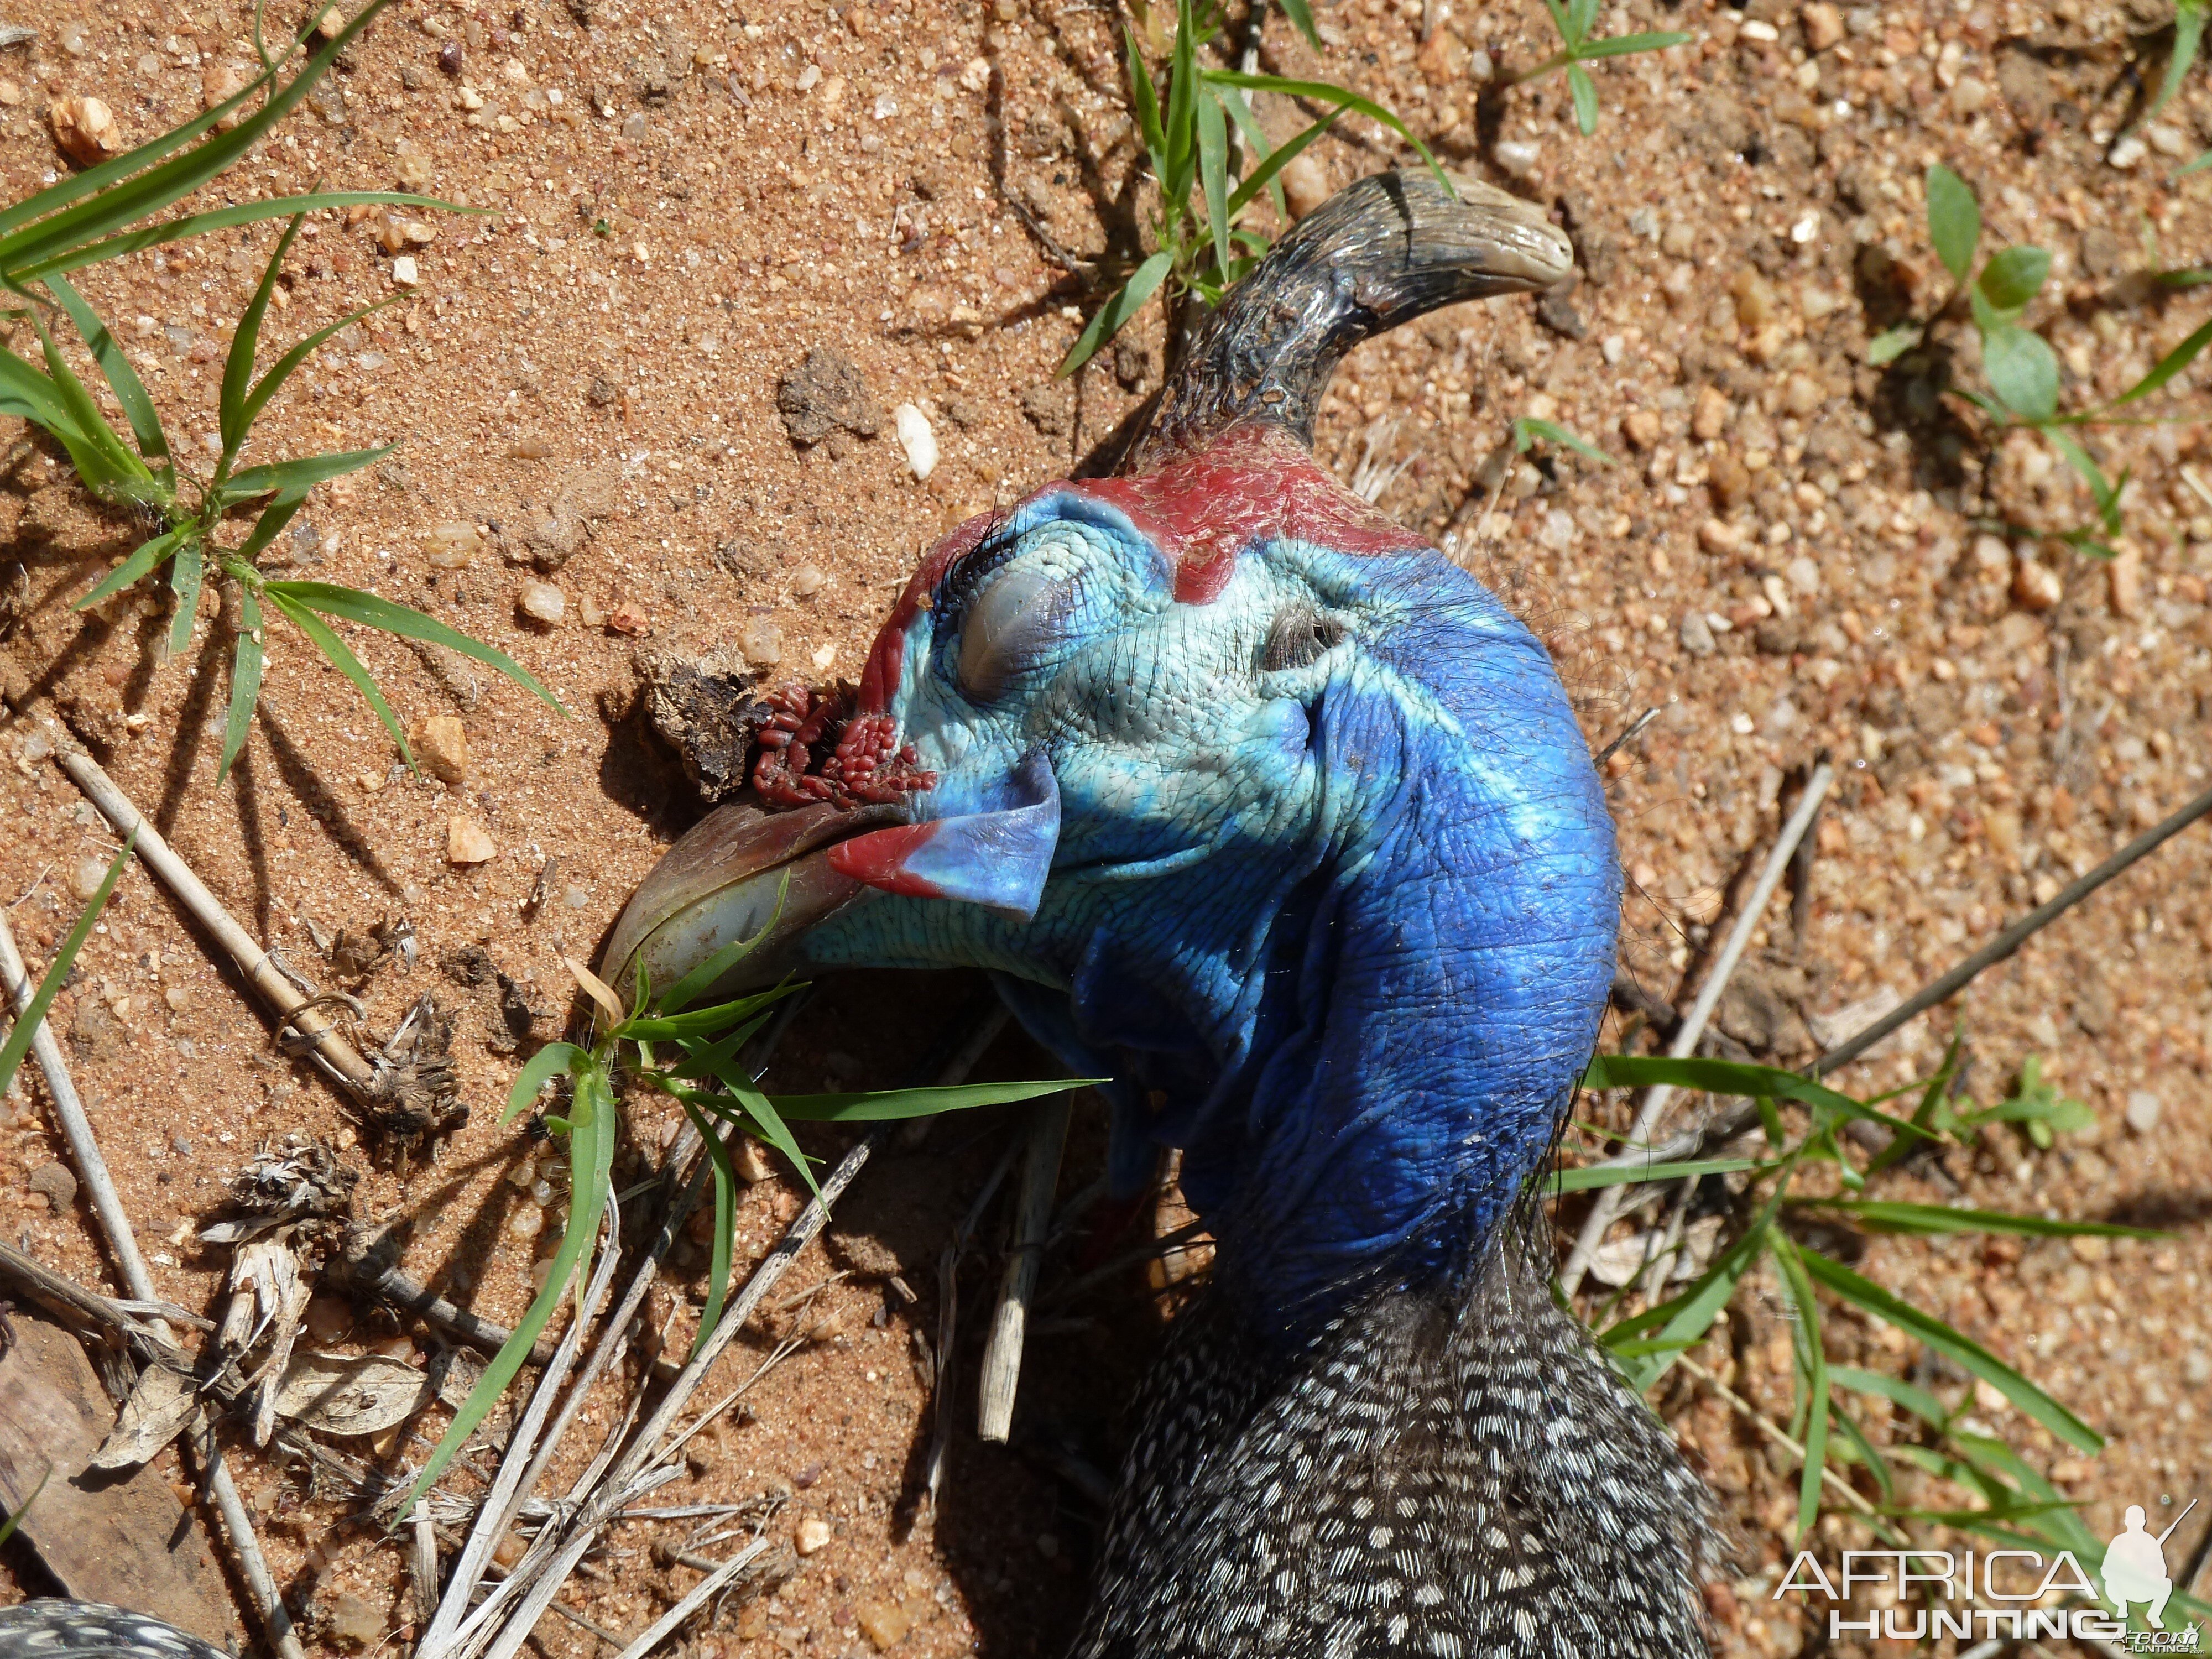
(1793, 555)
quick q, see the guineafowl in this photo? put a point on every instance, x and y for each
(1251, 801)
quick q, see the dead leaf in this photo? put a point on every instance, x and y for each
(352, 1394)
(158, 1408)
(597, 988)
(106, 1536)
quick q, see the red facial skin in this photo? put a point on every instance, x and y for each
(868, 765)
(1250, 485)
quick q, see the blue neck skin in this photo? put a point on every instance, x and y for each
(1341, 932)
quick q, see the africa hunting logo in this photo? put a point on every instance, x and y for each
(2025, 1595)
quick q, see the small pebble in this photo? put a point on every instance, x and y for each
(85, 879)
(883, 1623)
(441, 744)
(56, 1183)
(2127, 153)
(541, 603)
(1709, 415)
(806, 581)
(2036, 587)
(403, 273)
(467, 841)
(1823, 24)
(353, 1622)
(916, 439)
(2142, 1110)
(85, 130)
(1516, 157)
(762, 641)
(811, 1536)
(178, 998)
(527, 1221)
(1696, 636)
(329, 1318)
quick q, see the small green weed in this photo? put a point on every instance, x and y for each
(1574, 20)
(2017, 363)
(19, 1040)
(110, 211)
(664, 1044)
(2019, 1505)
(1201, 246)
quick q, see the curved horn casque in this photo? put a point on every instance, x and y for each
(1377, 254)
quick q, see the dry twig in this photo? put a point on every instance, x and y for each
(1002, 1354)
(1655, 1099)
(123, 1245)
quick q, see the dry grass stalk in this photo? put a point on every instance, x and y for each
(1655, 1099)
(1002, 1354)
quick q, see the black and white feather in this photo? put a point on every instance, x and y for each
(86, 1629)
(1455, 1474)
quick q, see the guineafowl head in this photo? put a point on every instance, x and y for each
(1248, 799)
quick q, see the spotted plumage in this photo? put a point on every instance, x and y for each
(86, 1630)
(1452, 1471)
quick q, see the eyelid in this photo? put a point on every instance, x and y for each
(1019, 612)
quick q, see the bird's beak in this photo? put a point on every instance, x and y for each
(775, 877)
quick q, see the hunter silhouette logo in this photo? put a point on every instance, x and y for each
(2135, 1567)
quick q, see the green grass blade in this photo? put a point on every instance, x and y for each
(1812, 1354)
(2166, 368)
(1145, 98)
(1722, 1077)
(1683, 1321)
(303, 473)
(1256, 140)
(8, 1524)
(280, 512)
(117, 471)
(50, 985)
(890, 1105)
(1322, 92)
(1123, 303)
(703, 1022)
(248, 659)
(26, 393)
(1584, 91)
(370, 611)
(718, 1061)
(1621, 45)
(1863, 1293)
(142, 562)
(122, 380)
(1582, 15)
(1582, 1181)
(1527, 429)
(591, 1153)
(1925, 1115)
(1272, 161)
(536, 1072)
(1862, 1447)
(1563, 20)
(1301, 17)
(1954, 220)
(1895, 1389)
(726, 1189)
(1885, 1216)
(321, 637)
(244, 341)
(1178, 126)
(2188, 34)
(130, 195)
(1213, 173)
(187, 226)
(282, 370)
(185, 572)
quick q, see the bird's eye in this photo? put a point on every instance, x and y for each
(1298, 638)
(1008, 626)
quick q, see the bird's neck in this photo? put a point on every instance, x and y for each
(1436, 1471)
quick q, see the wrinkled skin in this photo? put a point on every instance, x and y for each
(1333, 892)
